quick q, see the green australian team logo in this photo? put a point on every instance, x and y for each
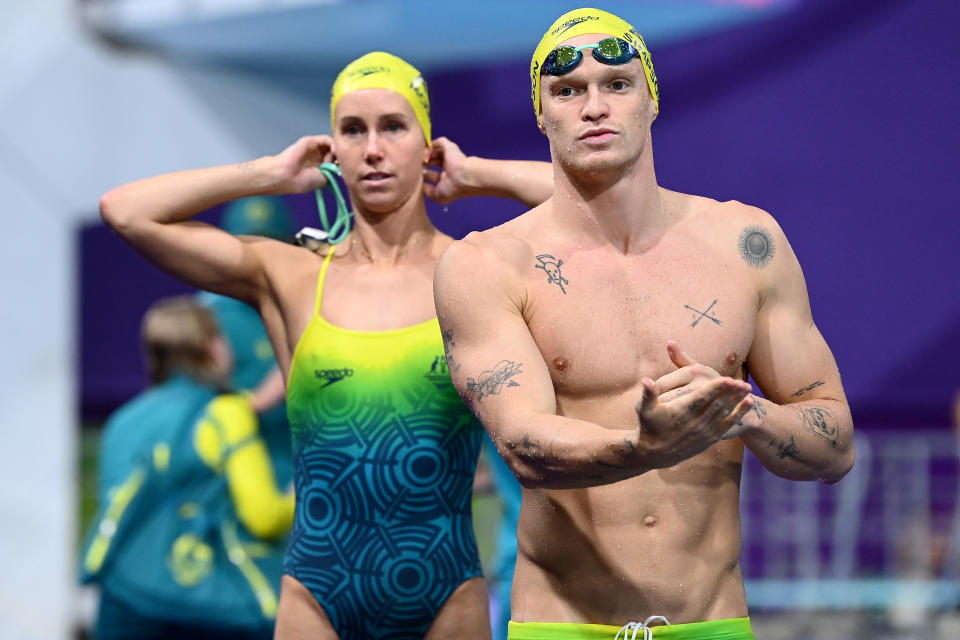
(438, 373)
(190, 560)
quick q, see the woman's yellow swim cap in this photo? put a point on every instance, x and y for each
(380, 70)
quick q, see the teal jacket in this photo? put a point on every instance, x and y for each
(167, 540)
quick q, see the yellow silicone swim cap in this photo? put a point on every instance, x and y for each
(379, 70)
(578, 22)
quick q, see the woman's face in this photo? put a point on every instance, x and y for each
(380, 148)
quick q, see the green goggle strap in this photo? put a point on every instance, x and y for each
(337, 231)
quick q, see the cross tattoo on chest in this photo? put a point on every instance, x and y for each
(703, 314)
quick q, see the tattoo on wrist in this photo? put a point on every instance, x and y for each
(758, 408)
(677, 393)
(756, 246)
(529, 443)
(551, 266)
(492, 381)
(809, 387)
(786, 449)
(245, 166)
(448, 345)
(703, 314)
(820, 423)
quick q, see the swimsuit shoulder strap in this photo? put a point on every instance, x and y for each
(320, 280)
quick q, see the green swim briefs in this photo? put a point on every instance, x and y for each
(729, 629)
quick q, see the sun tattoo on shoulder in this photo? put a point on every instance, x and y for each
(756, 246)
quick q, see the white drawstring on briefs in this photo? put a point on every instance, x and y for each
(637, 626)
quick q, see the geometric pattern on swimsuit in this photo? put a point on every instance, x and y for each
(384, 458)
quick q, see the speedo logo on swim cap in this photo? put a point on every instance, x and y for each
(329, 376)
(570, 24)
(369, 71)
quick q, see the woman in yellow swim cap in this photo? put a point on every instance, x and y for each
(385, 451)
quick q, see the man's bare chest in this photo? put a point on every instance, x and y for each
(602, 325)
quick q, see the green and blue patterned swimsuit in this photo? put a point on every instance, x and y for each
(384, 458)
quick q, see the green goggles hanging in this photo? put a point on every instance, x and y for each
(338, 230)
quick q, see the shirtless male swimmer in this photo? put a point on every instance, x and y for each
(604, 339)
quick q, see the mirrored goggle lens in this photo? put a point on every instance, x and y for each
(564, 56)
(614, 50)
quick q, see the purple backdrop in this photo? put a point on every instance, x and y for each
(839, 118)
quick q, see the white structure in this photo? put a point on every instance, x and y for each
(76, 119)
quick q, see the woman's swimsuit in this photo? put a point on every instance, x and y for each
(384, 458)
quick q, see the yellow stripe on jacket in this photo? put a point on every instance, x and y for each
(227, 439)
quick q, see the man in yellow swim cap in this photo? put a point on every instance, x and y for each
(604, 339)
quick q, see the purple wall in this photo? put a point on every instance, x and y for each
(838, 118)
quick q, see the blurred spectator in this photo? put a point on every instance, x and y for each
(187, 540)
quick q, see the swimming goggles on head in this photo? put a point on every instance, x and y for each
(566, 58)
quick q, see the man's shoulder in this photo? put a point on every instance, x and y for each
(723, 213)
(499, 247)
(725, 222)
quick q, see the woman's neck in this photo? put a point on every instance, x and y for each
(386, 239)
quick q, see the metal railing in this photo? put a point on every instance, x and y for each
(887, 534)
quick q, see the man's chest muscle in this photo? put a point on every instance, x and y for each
(609, 323)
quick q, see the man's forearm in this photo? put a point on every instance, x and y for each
(556, 452)
(811, 440)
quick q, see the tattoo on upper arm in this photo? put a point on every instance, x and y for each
(492, 381)
(809, 387)
(703, 314)
(786, 449)
(756, 246)
(820, 423)
(551, 266)
(448, 345)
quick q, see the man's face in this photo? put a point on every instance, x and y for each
(597, 117)
(380, 147)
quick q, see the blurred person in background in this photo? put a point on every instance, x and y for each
(188, 539)
(629, 447)
(384, 450)
(254, 363)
